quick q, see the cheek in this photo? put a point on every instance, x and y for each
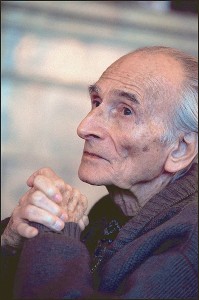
(133, 141)
(144, 149)
(131, 146)
(127, 152)
(127, 145)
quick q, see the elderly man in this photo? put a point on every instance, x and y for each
(141, 242)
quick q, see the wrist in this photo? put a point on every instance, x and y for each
(3, 241)
(11, 240)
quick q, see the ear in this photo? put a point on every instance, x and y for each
(182, 153)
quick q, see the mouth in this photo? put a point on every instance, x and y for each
(92, 155)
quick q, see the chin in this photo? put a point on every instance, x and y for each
(91, 177)
(88, 178)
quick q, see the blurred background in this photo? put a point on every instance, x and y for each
(51, 51)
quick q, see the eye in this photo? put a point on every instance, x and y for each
(127, 111)
(95, 103)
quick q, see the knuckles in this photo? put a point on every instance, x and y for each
(29, 212)
(37, 197)
(60, 183)
(69, 188)
(46, 171)
(39, 179)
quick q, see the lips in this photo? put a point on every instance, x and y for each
(92, 155)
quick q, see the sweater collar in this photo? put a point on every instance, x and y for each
(173, 194)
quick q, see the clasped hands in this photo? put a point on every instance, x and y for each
(49, 201)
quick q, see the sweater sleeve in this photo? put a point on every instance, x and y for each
(9, 262)
(158, 265)
(54, 266)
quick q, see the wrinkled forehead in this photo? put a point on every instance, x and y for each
(151, 77)
(151, 73)
(155, 81)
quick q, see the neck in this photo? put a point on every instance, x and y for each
(132, 200)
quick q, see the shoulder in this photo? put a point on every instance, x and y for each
(188, 217)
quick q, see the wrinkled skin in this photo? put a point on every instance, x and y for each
(130, 102)
(49, 201)
(123, 134)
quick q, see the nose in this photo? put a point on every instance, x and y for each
(92, 126)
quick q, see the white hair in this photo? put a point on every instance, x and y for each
(185, 116)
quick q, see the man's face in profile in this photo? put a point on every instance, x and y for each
(130, 103)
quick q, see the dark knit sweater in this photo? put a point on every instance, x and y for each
(151, 256)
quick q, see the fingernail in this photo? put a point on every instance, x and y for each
(58, 197)
(58, 225)
(64, 217)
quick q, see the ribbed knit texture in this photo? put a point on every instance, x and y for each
(151, 256)
(70, 229)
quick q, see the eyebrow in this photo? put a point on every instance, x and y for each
(129, 96)
(93, 88)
